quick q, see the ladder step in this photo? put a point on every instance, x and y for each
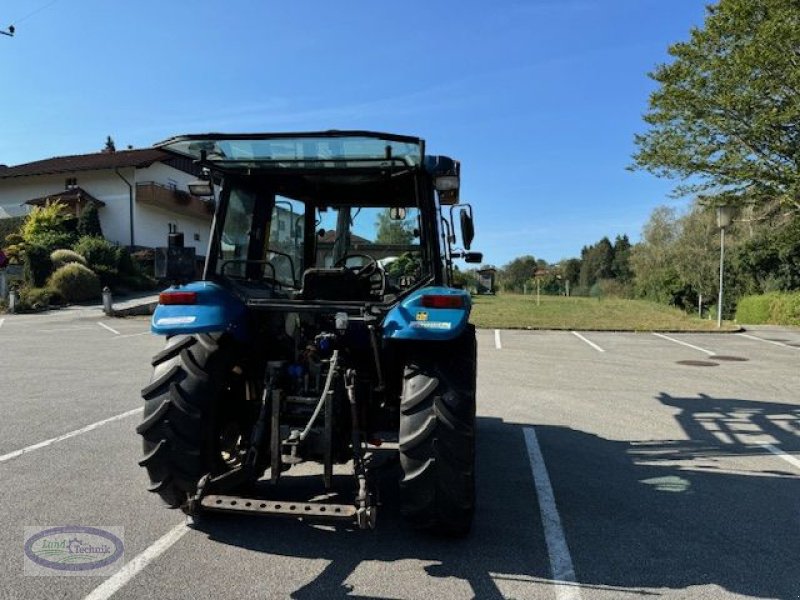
(315, 510)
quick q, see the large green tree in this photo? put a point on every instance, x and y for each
(726, 114)
(517, 273)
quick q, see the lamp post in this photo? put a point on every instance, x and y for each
(724, 219)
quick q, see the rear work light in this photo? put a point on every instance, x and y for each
(443, 301)
(177, 298)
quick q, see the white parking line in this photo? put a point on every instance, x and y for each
(561, 568)
(129, 335)
(773, 342)
(671, 339)
(66, 436)
(114, 583)
(497, 343)
(2, 321)
(111, 329)
(591, 343)
(781, 454)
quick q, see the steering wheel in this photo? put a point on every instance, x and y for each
(371, 271)
(366, 271)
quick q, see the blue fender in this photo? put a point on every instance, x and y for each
(411, 320)
(216, 310)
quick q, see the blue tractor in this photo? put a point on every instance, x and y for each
(325, 331)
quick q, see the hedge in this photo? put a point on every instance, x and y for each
(75, 283)
(774, 308)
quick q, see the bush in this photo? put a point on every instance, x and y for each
(10, 226)
(776, 308)
(75, 283)
(37, 265)
(34, 298)
(59, 258)
(89, 222)
(101, 257)
(49, 226)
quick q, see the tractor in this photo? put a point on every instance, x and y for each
(325, 331)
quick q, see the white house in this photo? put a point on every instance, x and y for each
(140, 194)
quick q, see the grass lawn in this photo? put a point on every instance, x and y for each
(514, 311)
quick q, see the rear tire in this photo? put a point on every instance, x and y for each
(437, 436)
(179, 429)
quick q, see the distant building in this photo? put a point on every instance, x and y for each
(486, 279)
(140, 194)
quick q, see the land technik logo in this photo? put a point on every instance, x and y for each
(73, 550)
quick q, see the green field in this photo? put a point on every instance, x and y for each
(514, 311)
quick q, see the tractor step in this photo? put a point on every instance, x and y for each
(315, 510)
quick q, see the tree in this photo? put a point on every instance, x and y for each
(571, 270)
(596, 262)
(110, 147)
(517, 273)
(394, 231)
(652, 260)
(89, 221)
(727, 110)
(620, 264)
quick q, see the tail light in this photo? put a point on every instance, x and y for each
(177, 298)
(443, 301)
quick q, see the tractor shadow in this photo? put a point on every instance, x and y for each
(715, 508)
(505, 538)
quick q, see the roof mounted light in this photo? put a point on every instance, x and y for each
(201, 188)
(446, 183)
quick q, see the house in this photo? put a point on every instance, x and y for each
(140, 194)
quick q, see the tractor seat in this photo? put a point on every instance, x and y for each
(336, 283)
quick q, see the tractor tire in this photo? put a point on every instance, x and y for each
(179, 429)
(437, 436)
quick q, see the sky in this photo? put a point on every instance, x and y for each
(538, 99)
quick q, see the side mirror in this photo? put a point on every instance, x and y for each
(473, 257)
(467, 228)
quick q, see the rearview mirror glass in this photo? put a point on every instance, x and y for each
(397, 213)
(467, 229)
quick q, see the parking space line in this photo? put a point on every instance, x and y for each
(2, 321)
(774, 343)
(497, 343)
(129, 335)
(66, 436)
(114, 583)
(591, 343)
(111, 329)
(671, 339)
(781, 454)
(561, 568)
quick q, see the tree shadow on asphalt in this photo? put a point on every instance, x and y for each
(673, 513)
(635, 514)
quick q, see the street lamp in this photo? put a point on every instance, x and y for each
(724, 219)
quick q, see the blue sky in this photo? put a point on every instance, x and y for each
(539, 99)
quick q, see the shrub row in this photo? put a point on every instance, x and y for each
(774, 308)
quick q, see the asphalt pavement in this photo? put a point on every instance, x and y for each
(610, 465)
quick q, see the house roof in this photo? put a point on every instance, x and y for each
(69, 197)
(329, 237)
(95, 162)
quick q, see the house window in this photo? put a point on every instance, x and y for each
(70, 183)
(196, 237)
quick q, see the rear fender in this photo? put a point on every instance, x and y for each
(411, 320)
(216, 310)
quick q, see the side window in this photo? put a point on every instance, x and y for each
(286, 231)
(236, 233)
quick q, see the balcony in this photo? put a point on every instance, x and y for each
(167, 198)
